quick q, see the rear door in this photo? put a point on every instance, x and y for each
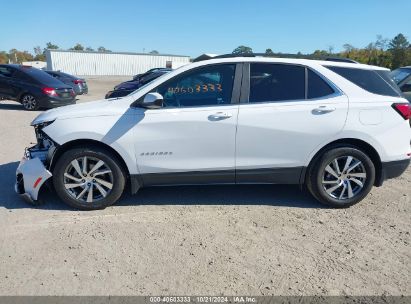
(286, 112)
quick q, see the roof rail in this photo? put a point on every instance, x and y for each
(340, 59)
(276, 55)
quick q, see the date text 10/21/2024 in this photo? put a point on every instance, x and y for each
(203, 299)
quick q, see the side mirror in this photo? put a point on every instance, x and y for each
(152, 101)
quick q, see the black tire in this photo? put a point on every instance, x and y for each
(29, 102)
(117, 178)
(317, 172)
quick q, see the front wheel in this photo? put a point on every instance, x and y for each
(341, 177)
(88, 178)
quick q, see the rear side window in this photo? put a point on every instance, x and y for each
(41, 76)
(276, 82)
(368, 80)
(22, 76)
(317, 87)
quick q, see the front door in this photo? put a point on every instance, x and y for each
(191, 139)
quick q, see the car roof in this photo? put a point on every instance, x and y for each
(16, 66)
(307, 62)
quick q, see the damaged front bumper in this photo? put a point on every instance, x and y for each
(31, 174)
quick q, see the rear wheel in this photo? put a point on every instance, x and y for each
(341, 177)
(88, 178)
(29, 102)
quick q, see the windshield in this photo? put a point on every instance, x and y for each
(145, 85)
(400, 74)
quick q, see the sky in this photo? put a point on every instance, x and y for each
(192, 27)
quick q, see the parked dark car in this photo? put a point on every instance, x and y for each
(79, 85)
(138, 76)
(33, 88)
(402, 76)
(127, 87)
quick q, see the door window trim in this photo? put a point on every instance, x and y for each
(245, 89)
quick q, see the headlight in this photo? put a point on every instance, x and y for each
(42, 139)
(43, 124)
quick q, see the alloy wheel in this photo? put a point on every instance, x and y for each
(88, 179)
(344, 177)
(29, 102)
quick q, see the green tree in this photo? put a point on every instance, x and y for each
(39, 54)
(382, 43)
(269, 52)
(399, 48)
(51, 46)
(17, 56)
(155, 52)
(320, 53)
(77, 47)
(89, 49)
(4, 57)
(102, 49)
(242, 49)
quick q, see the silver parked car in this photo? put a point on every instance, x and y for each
(402, 76)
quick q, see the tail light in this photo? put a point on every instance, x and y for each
(404, 109)
(50, 91)
(78, 81)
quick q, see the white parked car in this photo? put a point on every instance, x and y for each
(338, 128)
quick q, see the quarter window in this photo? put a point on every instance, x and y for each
(206, 86)
(276, 82)
(317, 87)
(368, 80)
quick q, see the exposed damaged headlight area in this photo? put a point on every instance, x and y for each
(45, 147)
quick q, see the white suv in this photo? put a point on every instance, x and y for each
(338, 128)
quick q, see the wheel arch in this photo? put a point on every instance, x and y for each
(93, 143)
(24, 93)
(357, 143)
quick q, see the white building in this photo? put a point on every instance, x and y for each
(86, 63)
(36, 64)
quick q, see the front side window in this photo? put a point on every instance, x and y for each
(276, 82)
(6, 71)
(205, 86)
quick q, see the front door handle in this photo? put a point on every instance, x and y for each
(219, 116)
(323, 110)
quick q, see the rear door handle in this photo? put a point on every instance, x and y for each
(323, 110)
(219, 116)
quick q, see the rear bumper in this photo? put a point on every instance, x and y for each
(80, 89)
(52, 102)
(30, 177)
(394, 169)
